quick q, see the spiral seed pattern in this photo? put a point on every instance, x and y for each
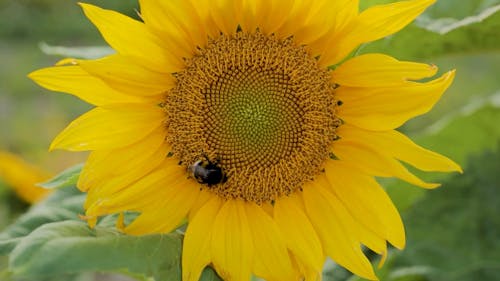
(259, 107)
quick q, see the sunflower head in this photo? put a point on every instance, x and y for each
(247, 119)
(258, 106)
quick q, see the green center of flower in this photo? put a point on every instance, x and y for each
(254, 117)
(259, 108)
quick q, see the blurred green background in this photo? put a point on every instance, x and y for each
(453, 232)
(30, 117)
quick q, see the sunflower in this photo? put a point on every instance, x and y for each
(246, 120)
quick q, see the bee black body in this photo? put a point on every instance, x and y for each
(207, 173)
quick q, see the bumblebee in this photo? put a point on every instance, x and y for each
(206, 172)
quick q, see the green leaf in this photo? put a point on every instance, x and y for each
(333, 271)
(11, 206)
(92, 52)
(50, 242)
(472, 49)
(455, 229)
(72, 247)
(462, 35)
(470, 132)
(209, 274)
(475, 85)
(445, 25)
(411, 273)
(403, 194)
(457, 118)
(387, 273)
(448, 9)
(465, 117)
(64, 204)
(445, 8)
(66, 178)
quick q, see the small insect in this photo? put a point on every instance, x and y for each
(206, 172)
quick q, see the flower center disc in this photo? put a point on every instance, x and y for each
(260, 108)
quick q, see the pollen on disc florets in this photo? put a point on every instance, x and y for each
(258, 106)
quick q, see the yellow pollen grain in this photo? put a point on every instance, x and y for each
(259, 107)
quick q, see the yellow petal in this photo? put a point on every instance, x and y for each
(122, 74)
(324, 20)
(167, 196)
(372, 24)
(372, 162)
(226, 14)
(338, 14)
(177, 22)
(271, 15)
(125, 199)
(76, 81)
(332, 227)
(203, 198)
(296, 19)
(196, 245)
(109, 127)
(346, 12)
(111, 170)
(383, 20)
(338, 47)
(366, 201)
(399, 146)
(386, 108)
(168, 215)
(232, 244)
(23, 177)
(203, 10)
(271, 260)
(250, 18)
(300, 236)
(120, 221)
(377, 70)
(154, 189)
(132, 38)
(366, 236)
